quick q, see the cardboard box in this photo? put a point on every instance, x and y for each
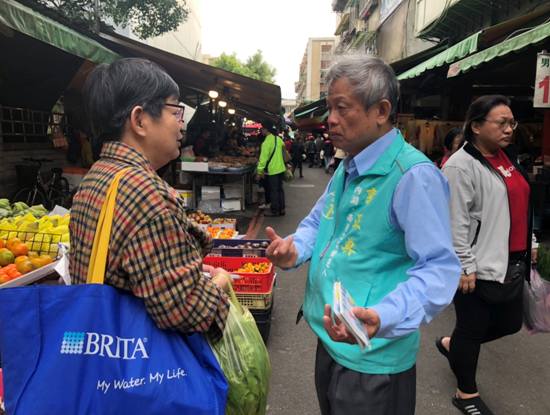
(194, 166)
(187, 197)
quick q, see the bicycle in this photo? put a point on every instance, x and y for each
(50, 193)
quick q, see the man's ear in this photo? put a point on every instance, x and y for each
(136, 121)
(384, 111)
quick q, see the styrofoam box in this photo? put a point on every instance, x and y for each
(232, 192)
(194, 166)
(210, 192)
(229, 205)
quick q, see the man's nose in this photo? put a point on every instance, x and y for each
(332, 118)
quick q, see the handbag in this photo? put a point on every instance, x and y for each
(288, 175)
(494, 292)
(93, 349)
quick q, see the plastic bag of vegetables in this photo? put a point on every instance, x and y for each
(245, 362)
(536, 304)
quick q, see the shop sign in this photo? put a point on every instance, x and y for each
(542, 81)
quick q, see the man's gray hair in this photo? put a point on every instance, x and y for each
(371, 78)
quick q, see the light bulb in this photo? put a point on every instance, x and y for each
(222, 104)
(213, 94)
(231, 111)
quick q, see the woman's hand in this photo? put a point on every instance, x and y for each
(467, 283)
(221, 278)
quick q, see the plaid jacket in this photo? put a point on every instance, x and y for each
(154, 252)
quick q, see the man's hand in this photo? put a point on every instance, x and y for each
(282, 252)
(338, 330)
(260, 176)
(467, 283)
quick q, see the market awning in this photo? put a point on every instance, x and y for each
(252, 98)
(461, 49)
(514, 44)
(455, 17)
(344, 21)
(313, 108)
(29, 22)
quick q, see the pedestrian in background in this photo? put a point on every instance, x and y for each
(297, 152)
(328, 152)
(453, 141)
(382, 229)
(491, 226)
(339, 155)
(311, 149)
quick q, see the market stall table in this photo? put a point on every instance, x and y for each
(245, 174)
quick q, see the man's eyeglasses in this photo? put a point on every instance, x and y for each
(179, 112)
(504, 123)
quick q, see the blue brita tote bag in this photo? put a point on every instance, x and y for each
(93, 349)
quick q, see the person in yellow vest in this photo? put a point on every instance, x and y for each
(382, 230)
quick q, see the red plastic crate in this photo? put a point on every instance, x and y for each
(252, 283)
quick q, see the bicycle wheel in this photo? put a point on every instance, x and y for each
(59, 193)
(30, 195)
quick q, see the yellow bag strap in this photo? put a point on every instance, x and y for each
(100, 248)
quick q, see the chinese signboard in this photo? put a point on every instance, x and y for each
(542, 82)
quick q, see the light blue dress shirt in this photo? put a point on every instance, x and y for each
(420, 208)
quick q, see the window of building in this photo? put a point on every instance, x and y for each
(326, 48)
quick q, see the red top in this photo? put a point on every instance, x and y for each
(518, 200)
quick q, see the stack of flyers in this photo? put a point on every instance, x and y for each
(343, 303)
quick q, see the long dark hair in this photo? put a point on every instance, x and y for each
(478, 110)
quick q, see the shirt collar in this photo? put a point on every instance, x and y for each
(125, 153)
(363, 161)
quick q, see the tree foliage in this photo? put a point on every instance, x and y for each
(255, 67)
(147, 18)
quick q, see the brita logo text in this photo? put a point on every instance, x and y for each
(104, 345)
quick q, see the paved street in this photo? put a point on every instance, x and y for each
(514, 372)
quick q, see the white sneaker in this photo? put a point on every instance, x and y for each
(264, 206)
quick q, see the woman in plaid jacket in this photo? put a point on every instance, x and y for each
(154, 251)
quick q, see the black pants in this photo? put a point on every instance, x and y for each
(276, 193)
(479, 322)
(297, 164)
(267, 191)
(343, 391)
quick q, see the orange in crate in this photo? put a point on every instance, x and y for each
(254, 282)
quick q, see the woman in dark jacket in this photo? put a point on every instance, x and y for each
(490, 219)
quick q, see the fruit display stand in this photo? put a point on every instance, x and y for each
(32, 277)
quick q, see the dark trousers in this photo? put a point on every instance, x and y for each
(276, 192)
(297, 164)
(267, 191)
(479, 322)
(343, 391)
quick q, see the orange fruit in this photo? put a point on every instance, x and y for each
(6, 257)
(19, 249)
(2, 243)
(11, 242)
(24, 266)
(32, 254)
(3, 277)
(21, 258)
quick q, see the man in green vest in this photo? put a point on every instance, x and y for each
(382, 230)
(272, 162)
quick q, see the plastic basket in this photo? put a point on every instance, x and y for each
(229, 247)
(257, 283)
(39, 242)
(257, 301)
(263, 322)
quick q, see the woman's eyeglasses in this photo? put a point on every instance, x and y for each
(504, 123)
(179, 112)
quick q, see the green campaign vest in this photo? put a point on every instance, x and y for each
(358, 245)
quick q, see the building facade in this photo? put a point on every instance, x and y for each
(315, 63)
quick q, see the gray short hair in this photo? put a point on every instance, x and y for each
(372, 79)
